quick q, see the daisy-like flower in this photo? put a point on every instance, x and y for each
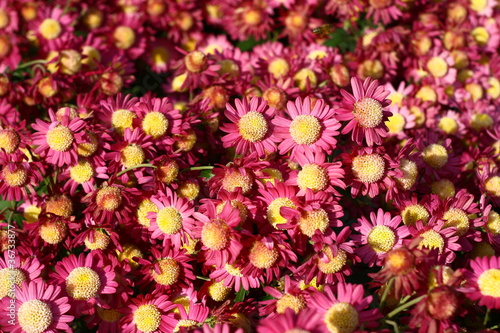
(344, 308)
(148, 313)
(435, 236)
(58, 140)
(196, 69)
(437, 159)
(440, 67)
(483, 280)
(84, 173)
(232, 276)
(38, 308)
(313, 126)
(306, 320)
(86, 279)
(378, 235)
(191, 316)
(21, 271)
(116, 112)
(291, 297)
(251, 128)
(52, 25)
(18, 176)
(365, 111)
(273, 198)
(245, 19)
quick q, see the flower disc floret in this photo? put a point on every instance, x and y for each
(457, 218)
(169, 220)
(341, 318)
(335, 263)
(273, 210)
(215, 235)
(488, 282)
(435, 155)
(381, 238)
(312, 176)
(10, 277)
(368, 168)
(147, 318)
(50, 28)
(60, 138)
(287, 301)
(253, 126)
(437, 66)
(169, 272)
(493, 224)
(432, 240)
(82, 172)
(122, 119)
(53, 232)
(262, 257)
(155, 124)
(34, 316)
(368, 112)
(310, 221)
(15, 178)
(132, 155)
(109, 198)
(410, 173)
(305, 129)
(413, 213)
(492, 185)
(83, 283)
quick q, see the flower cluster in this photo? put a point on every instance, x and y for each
(250, 166)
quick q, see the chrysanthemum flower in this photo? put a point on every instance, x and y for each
(379, 235)
(39, 308)
(291, 297)
(344, 308)
(15, 274)
(148, 313)
(365, 111)
(313, 126)
(116, 112)
(437, 159)
(58, 140)
(192, 317)
(483, 279)
(252, 18)
(231, 275)
(84, 173)
(273, 198)
(251, 128)
(52, 25)
(19, 177)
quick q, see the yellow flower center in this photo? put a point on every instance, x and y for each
(310, 221)
(480, 35)
(481, 121)
(410, 173)
(160, 55)
(437, 67)
(100, 242)
(168, 172)
(130, 251)
(493, 224)
(457, 218)
(448, 125)
(53, 232)
(132, 155)
(432, 240)
(426, 94)
(489, 282)
(50, 28)
(312, 176)
(82, 172)
(108, 315)
(122, 119)
(252, 17)
(60, 138)
(109, 198)
(147, 318)
(83, 283)
(482, 249)
(8, 278)
(195, 61)
(215, 235)
(186, 141)
(4, 19)
(396, 98)
(444, 188)
(287, 301)
(412, 213)
(492, 185)
(274, 174)
(188, 190)
(60, 205)
(155, 124)
(93, 18)
(381, 238)
(478, 5)
(435, 155)
(232, 270)
(178, 82)
(144, 208)
(335, 263)
(87, 149)
(368, 168)
(169, 220)
(218, 292)
(234, 179)
(9, 140)
(368, 112)
(262, 257)
(447, 272)
(185, 323)
(305, 129)
(273, 210)
(34, 316)
(253, 126)
(494, 87)
(341, 318)
(16, 178)
(31, 213)
(169, 272)
(303, 76)
(396, 123)
(123, 37)
(279, 68)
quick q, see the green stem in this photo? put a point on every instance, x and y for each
(486, 317)
(202, 278)
(206, 167)
(404, 306)
(386, 292)
(29, 63)
(147, 165)
(393, 324)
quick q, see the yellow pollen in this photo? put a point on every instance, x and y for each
(457, 218)
(316, 54)
(60, 138)
(410, 173)
(426, 94)
(129, 251)
(481, 121)
(493, 224)
(494, 89)
(435, 155)
(60, 205)
(310, 221)
(34, 316)
(53, 232)
(275, 97)
(147, 318)
(195, 61)
(371, 68)
(185, 323)
(215, 235)
(87, 149)
(122, 119)
(169, 220)
(92, 56)
(381, 238)
(218, 292)
(368, 168)
(188, 190)
(8, 278)
(412, 213)
(178, 82)
(253, 126)
(432, 240)
(228, 67)
(273, 210)
(437, 67)
(492, 186)
(160, 56)
(368, 112)
(444, 188)
(31, 213)
(50, 28)
(489, 282)
(232, 270)
(448, 125)
(124, 37)
(314, 177)
(339, 75)
(305, 129)
(169, 272)
(252, 17)
(279, 68)
(109, 198)
(234, 179)
(186, 141)
(447, 272)
(16, 178)
(335, 263)
(83, 283)
(4, 19)
(274, 174)
(396, 123)
(480, 35)
(261, 257)
(155, 124)
(82, 172)
(341, 318)
(168, 172)
(302, 76)
(396, 98)
(132, 155)
(108, 315)
(93, 18)
(101, 241)
(9, 140)
(478, 5)
(400, 261)
(287, 301)
(144, 208)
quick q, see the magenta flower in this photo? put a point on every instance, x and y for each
(148, 313)
(483, 281)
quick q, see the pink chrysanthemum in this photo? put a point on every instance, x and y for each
(484, 280)
(231, 275)
(313, 126)
(273, 198)
(365, 111)
(192, 316)
(291, 297)
(15, 273)
(84, 173)
(38, 308)
(18, 176)
(251, 128)
(148, 313)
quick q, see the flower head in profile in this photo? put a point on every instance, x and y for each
(365, 111)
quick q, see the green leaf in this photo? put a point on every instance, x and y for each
(240, 295)
(343, 40)
(207, 174)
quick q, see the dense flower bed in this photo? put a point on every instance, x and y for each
(250, 166)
